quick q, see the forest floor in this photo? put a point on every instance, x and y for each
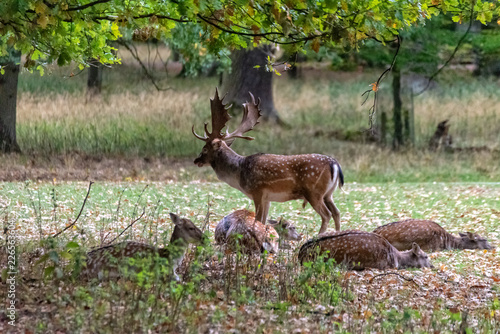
(461, 291)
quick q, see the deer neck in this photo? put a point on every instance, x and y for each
(176, 248)
(453, 242)
(227, 165)
(402, 259)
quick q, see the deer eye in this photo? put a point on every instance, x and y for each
(205, 150)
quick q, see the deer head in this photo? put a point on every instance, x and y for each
(285, 229)
(415, 258)
(186, 231)
(216, 140)
(474, 241)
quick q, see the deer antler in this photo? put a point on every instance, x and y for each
(220, 117)
(251, 115)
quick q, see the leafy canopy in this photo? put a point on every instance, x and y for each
(78, 30)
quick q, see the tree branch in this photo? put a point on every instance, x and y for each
(130, 225)
(459, 44)
(376, 86)
(144, 68)
(393, 273)
(81, 210)
(82, 7)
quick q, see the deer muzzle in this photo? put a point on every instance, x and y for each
(199, 161)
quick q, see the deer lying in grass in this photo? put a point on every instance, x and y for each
(359, 250)
(267, 178)
(429, 235)
(109, 261)
(255, 236)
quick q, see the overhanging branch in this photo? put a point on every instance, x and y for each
(459, 44)
(376, 85)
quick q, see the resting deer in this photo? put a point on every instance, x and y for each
(266, 178)
(429, 235)
(105, 262)
(255, 236)
(359, 250)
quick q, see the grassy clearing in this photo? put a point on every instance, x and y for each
(133, 121)
(284, 297)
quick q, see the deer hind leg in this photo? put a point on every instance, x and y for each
(334, 210)
(320, 207)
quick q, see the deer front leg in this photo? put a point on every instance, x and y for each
(334, 210)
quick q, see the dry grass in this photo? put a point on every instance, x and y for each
(132, 120)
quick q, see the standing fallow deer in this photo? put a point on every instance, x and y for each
(255, 236)
(266, 178)
(359, 250)
(110, 261)
(429, 235)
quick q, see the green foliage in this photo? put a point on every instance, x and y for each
(79, 30)
(319, 281)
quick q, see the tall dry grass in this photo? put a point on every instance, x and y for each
(132, 119)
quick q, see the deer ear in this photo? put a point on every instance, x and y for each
(175, 219)
(462, 234)
(415, 248)
(471, 236)
(272, 222)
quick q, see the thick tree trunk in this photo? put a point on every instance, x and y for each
(244, 78)
(8, 101)
(396, 92)
(94, 80)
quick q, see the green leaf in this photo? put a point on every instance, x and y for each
(49, 271)
(72, 244)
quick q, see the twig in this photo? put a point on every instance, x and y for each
(207, 216)
(130, 225)
(376, 87)
(459, 44)
(37, 212)
(81, 210)
(138, 199)
(393, 273)
(116, 219)
(144, 68)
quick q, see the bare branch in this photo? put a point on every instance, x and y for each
(129, 226)
(459, 44)
(81, 210)
(82, 7)
(144, 68)
(376, 87)
(393, 273)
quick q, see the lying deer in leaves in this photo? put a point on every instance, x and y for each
(429, 235)
(251, 235)
(359, 250)
(110, 261)
(266, 178)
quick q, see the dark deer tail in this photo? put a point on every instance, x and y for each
(334, 163)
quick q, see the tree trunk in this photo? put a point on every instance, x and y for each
(396, 92)
(244, 78)
(94, 80)
(8, 100)
(383, 128)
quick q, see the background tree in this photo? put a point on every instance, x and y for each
(8, 100)
(249, 74)
(79, 30)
